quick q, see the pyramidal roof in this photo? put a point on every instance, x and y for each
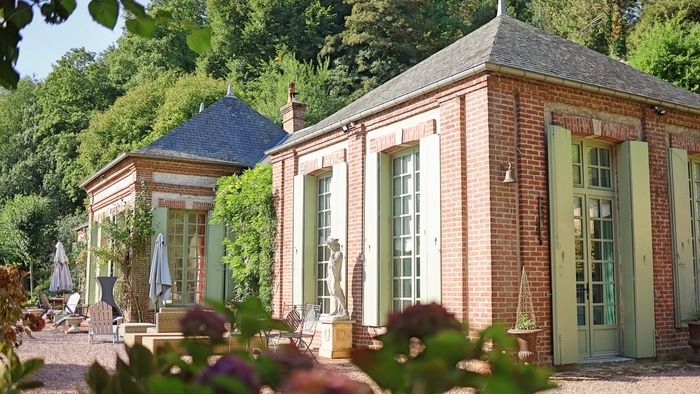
(507, 42)
(228, 131)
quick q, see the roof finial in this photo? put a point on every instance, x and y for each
(229, 90)
(201, 106)
(501, 8)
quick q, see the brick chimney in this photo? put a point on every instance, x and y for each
(293, 111)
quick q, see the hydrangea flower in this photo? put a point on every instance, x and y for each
(198, 321)
(232, 367)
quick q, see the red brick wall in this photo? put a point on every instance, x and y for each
(479, 118)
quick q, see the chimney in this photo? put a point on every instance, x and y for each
(293, 111)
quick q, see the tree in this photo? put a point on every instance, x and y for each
(247, 34)
(670, 50)
(245, 204)
(383, 38)
(136, 59)
(268, 92)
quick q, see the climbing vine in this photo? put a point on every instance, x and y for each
(245, 204)
(129, 233)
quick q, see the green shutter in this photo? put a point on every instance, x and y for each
(91, 268)
(215, 269)
(561, 196)
(682, 242)
(431, 285)
(159, 223)
(635, 251)
(304, 239)
(339, 213)
(376, 288)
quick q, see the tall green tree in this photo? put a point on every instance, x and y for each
(670, 50)
(246, 34)
(136, 59)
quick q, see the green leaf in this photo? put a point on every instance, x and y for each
(32, 365)
(163, 17)
(142, 25)
(22, 15)
(166, 385)
(68, 6)
(134, 7)
(199, 39)
(104, 12)
(97, 378)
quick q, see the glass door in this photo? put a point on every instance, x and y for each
(187, 255)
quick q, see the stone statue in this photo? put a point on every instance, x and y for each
(333, 276)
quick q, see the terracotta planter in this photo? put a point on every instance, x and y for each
(527, 343)
(694, 341)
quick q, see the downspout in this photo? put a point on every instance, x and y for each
(516, 142)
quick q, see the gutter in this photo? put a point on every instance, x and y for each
(486, 66)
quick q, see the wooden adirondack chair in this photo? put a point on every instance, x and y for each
(101, 321)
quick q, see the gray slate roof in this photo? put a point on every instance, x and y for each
(509, 42)
(228, 131)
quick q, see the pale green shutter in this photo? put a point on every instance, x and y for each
(561, 196)
(91, 269)
(339, 213)
(215, 269)
(682, 243)
(431, 269)
(636, 276)
(304, 239)
(376, 288)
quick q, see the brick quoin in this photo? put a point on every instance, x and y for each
(477, 126)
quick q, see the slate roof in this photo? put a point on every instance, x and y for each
(506, 41)
(228, 131)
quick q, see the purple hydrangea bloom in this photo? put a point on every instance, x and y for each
(234, 367)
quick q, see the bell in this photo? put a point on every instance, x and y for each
(509, 175)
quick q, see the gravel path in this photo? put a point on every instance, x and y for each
(68, 357)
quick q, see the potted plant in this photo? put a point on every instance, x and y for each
(694, 336)
(525, 329)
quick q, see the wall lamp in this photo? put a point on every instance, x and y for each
(659, 110)
(347, 127)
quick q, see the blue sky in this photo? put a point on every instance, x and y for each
(43, 44)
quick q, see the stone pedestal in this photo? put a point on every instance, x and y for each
(74, 323)
(336, 338)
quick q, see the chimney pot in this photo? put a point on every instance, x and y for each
(293, 111)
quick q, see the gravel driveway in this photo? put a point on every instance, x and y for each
(68, 357)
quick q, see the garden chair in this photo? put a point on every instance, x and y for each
(293, 320)
(70, 308)
(101, 321)
(49, 311)
(303, 320)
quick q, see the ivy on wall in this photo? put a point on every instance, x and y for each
(245, 204)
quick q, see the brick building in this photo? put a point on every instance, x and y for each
(410, 178)
(178, 172)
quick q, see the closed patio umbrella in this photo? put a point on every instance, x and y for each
(159, 279)
(61, 279)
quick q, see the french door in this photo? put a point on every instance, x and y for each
(595, 251)
(187, 255)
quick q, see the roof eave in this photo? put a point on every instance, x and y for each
(147, 156)
(486, 66)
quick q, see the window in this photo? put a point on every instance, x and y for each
(406, 273)
(187, 255)
(323, 232)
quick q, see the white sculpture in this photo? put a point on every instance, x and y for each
(333, 276)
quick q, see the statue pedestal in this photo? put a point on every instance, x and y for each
(336, 338)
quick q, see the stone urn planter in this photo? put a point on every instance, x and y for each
(527, 343)
(694, 340)
(74, 323)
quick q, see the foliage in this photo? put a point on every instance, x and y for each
(136, 59)
(694, 316)
(383, 38)
(247, 34)
(27, 234)
(315, 84)
(525, 322)
(129, 234)
(423, 351)
(14, 374)
(245, 204)
(75, 251)
(11, 298)
(670, 50)
(17, 15)
(602, 25)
